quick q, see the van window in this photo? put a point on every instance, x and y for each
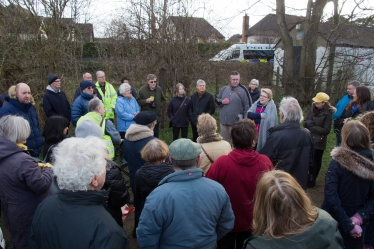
(235, 54)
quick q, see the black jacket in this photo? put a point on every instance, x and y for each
(368, 106)
(205, 104)
(255, 95)
(76, 220)
(290, 148)
(349, 186)
(148, 177)
(180, 118)
(118, 194)
(56, 104)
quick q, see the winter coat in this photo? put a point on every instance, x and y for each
(144, 93)
(291, 149)
(319, 126)
(76, 220)
(148, 177)
(78, 92)
(186, 210)
(255, 95)
(118, 194)
(323, 233)
(214, 146)
(125, 109)
(228, 114)
(35, 141)
(238, 172)
(198, 105)
(368, 106)
(56, 103)
(349, 189)
(23, 186)
(180, 118)
(109, 98)
(80, 107)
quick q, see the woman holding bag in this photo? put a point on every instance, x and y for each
(178, 112)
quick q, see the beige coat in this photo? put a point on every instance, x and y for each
(215, 147)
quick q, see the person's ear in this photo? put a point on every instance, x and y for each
(171, 161)
(94, 182)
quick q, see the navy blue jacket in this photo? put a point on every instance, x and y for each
(35, 141)
(180, 118)
(56, 103)
(80, 107)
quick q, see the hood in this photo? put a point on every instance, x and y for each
(23, 107)
(8, 148)
(137, 132)
(49, 88)
(215, 137)
(354, 162)
(243, 157)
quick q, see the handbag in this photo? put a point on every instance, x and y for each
(170, 123)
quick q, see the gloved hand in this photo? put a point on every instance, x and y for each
(356, 219)
(309, 123)
(356, 231)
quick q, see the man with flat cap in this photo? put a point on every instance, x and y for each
(137, 136)
(54, 100)
(80, 105)
(186, 210)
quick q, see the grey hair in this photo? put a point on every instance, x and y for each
(255, 81)
(291, 110)
(200, 81)
(355, 83)
(78, 161)
(94, 104)
(14, 128)
(123, 88)
(99, 72)
(151, 77)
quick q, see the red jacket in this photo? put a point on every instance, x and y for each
(239, 172)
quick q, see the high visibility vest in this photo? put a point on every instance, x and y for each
(109, 99)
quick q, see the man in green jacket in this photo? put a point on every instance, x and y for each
(151, 98)
(108, 94)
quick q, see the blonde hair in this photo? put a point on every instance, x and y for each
(176, 89)
(268, 92)
(12, 92)
(155, 151)
(282, 207)
(206, 124)
(355, 135)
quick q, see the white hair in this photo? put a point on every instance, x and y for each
(291, 110)
(14, 128)
(255, 81)
(123, 88)
(78, 161)
(200, 81)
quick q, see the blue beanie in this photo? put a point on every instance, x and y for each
(86, 83)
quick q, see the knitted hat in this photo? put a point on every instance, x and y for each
(184, 149)
(52, 78)
(321, 97)
(88, 128)
(86, 83)
(145, 117)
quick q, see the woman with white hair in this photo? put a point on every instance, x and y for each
(126, 109)
(253, 90)
(76, 217)
(23, 185)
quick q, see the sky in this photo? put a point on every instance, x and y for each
(226, 16)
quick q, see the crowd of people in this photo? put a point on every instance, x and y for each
(241, 187)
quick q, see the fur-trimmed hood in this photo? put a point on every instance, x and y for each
(354, 162)
(209, 138)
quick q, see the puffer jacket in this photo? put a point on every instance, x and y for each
(319, 126)
(80, 107)
(148, 177)
(23, 186)
(349, 187)
(35, 141)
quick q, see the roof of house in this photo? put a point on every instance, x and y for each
(347, 35)
(195, 27)
(235, 38)
(268, 26)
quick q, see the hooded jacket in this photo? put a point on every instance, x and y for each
(349, 186)
(80, 107)
(23, 186)
(35, 141)
(56, 103)
(239, 172)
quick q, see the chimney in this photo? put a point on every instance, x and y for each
(245, 28)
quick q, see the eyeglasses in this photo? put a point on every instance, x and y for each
(90, 87)
(263, 96)
(153, 81)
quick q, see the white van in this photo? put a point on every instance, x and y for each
(247, 53)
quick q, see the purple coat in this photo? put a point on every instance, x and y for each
(22, 187)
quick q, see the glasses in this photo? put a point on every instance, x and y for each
(90, 87)
(263, 96)
(153, 81)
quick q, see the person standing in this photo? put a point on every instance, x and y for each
(201, 102)
(78, 91)
(178, 112)
(80, 105)
(340, 107)
(234, 102)
(20, 105)
(289, 147)
(318, 122)
(253, 90)
(54, 100)
(151, 98)
(108, 94)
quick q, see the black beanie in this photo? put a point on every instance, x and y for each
(52, 78)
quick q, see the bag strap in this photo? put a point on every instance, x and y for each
(180, 106)
(207, 155)
(48, 151)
